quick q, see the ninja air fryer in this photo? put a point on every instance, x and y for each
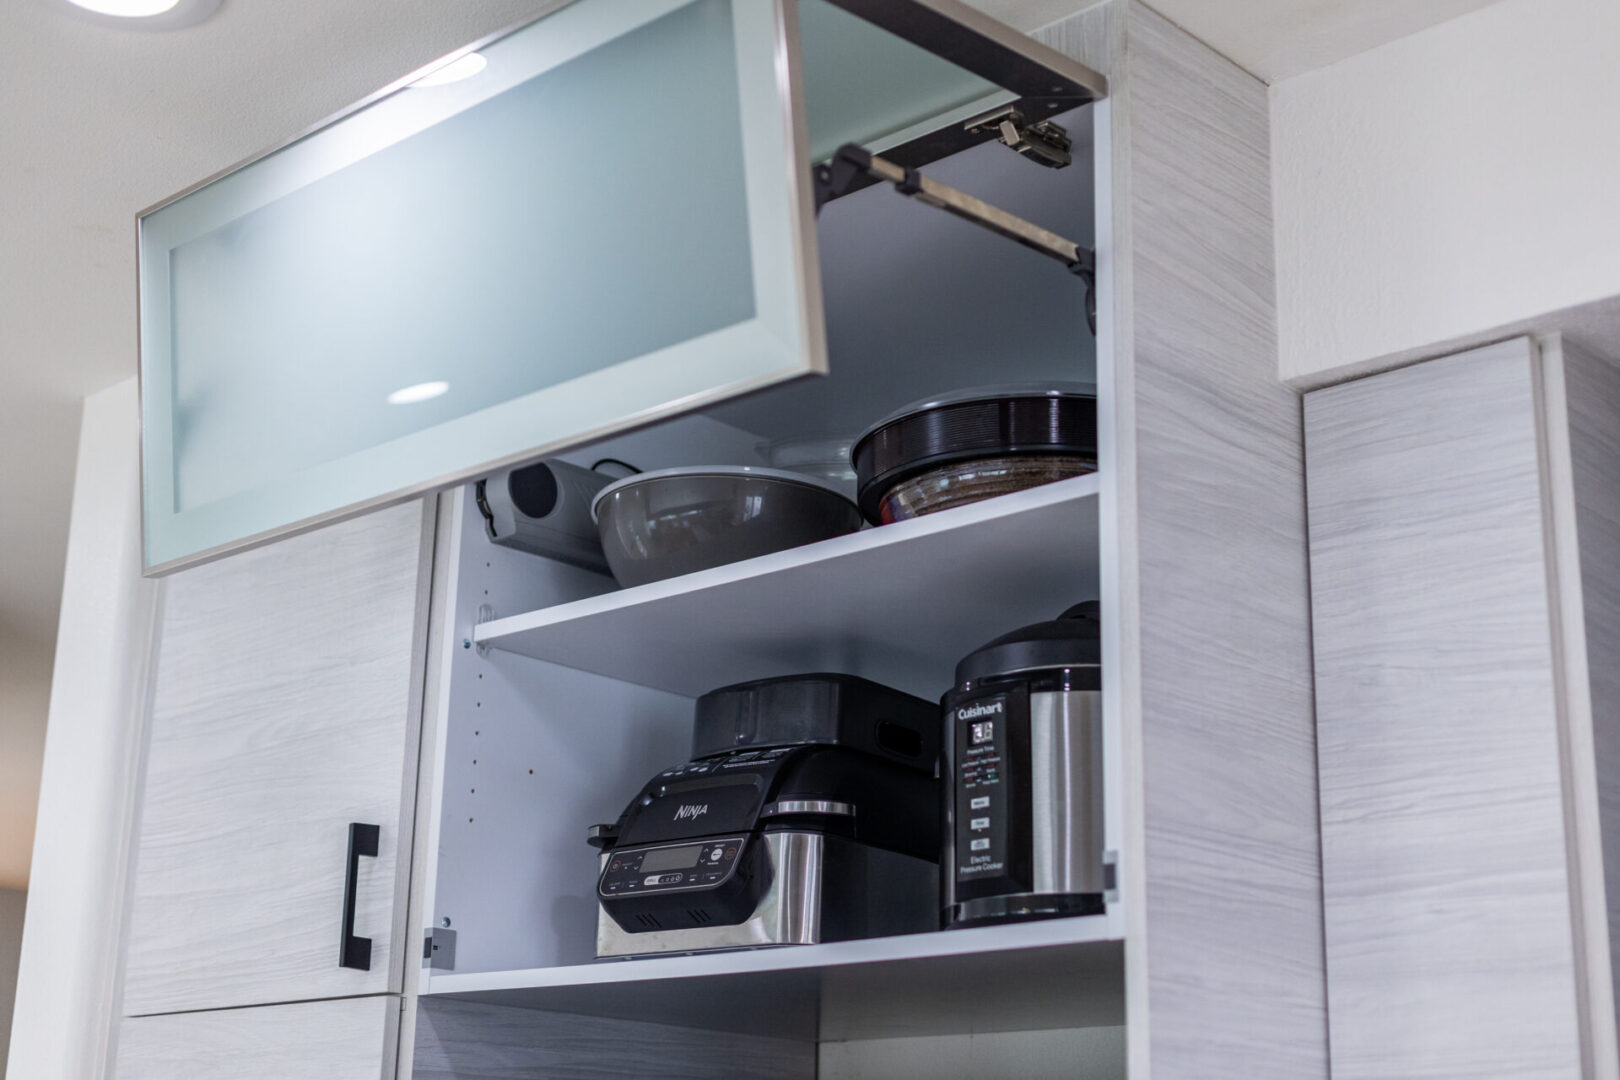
(809, 812)
(1023, 771)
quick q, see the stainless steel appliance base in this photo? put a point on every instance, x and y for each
(823, 888)
(1022, 907)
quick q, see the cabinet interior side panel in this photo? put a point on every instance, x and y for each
(1235, 970)
(1593, 393)
(534, 753)
(1449, 933)
(458, 1040)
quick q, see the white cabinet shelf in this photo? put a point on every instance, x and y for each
(1061, 972)
(898, 604)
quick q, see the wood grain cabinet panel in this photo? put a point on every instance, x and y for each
(351, 1039)
(1592, 386)
(285, 706)
(1204, 498)
(1450, 943)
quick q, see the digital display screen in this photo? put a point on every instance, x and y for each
(983, 731)
(674, 858)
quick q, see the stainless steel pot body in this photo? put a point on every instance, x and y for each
(1024, 804)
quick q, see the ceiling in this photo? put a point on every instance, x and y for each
(100, 122)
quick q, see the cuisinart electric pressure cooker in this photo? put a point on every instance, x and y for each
(1024, 810)
(809, 812)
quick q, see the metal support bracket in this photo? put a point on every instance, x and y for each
(439, 949)
(1042, 141)
(1111, 877)
(852, 162)
(486, 613)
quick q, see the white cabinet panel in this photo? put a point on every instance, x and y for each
(1591, 406)
(1451, 951)
(285, 706)
(353, 1039)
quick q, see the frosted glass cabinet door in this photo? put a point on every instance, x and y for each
(594, 221)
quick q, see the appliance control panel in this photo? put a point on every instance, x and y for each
(738, 759)
(702, 864)
(990, 809)
(981, 788)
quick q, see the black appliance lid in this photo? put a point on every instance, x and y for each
(1073, 639)
(821, 708)
(1002, 421)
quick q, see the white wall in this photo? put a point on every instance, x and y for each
(1456, 180)
(12, 902)
(66, 979)
(25, 690)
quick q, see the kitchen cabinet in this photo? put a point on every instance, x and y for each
(548, 695)
(553, 695)
(285, 694)
(352, 1039)
(1463, 557)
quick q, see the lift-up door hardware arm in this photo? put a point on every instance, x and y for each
(852, 162)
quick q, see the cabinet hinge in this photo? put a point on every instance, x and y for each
(1041, 141)
(1111, 877)
(439, 949)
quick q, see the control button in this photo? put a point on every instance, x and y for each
(663, 879)
(614, 865)
(982, 844)
(979, 802)
(979, 823)
(714, 854)
(731, 853)
(713, 876)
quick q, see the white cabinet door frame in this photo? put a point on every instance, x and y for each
(286, 704)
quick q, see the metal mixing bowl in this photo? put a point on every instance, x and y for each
(659, 525)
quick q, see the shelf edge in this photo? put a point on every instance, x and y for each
(1076, 489)
(1081, 930)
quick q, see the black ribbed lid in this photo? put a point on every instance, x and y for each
(1073, 639)
(994, 422)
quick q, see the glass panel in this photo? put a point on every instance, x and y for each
(601, 224)
(867, 86)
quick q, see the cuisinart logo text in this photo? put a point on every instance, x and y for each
(688, 811)
(977, 711)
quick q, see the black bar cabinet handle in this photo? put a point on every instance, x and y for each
(355, 952)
